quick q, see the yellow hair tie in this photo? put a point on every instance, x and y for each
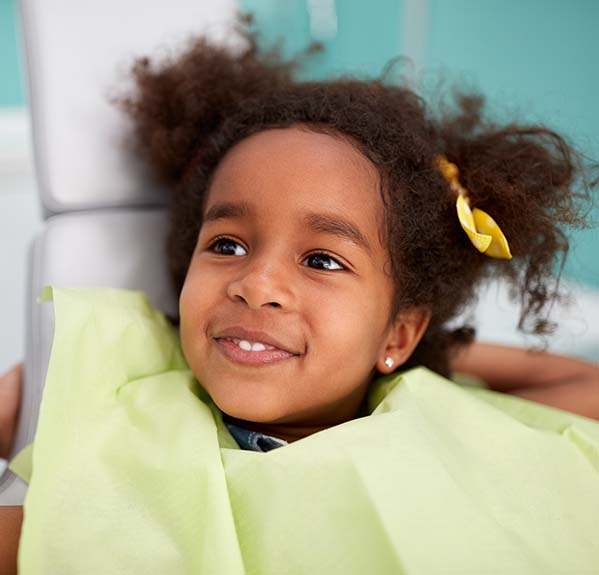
(481, 228)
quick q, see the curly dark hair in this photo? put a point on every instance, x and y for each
(188, 111)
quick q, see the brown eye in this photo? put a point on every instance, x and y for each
(324, 261)
(227, 247)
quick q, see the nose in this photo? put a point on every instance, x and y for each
(262, 282)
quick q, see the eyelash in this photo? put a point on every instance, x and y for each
(217, 241)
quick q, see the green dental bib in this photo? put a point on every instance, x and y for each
(134, 471)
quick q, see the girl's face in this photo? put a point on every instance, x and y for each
(290, 255)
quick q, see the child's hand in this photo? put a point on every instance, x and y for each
(10, 398)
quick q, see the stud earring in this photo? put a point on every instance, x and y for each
(389, 362)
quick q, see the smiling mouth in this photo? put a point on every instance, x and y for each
(256, 354)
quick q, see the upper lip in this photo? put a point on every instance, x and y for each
(239, 332)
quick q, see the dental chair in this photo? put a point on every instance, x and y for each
(105, 218)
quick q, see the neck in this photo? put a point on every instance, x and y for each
(287, 432)
(291, 432)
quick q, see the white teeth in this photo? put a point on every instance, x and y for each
(243, 344)
(248, 346)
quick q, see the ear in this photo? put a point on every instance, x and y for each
(402, 338)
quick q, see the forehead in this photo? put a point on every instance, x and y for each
(282, 173)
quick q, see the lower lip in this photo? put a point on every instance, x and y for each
(233, 352)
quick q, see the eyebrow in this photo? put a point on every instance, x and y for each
(317, 222)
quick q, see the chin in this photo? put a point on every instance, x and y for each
(250, 409)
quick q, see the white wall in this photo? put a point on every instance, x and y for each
(20, 221)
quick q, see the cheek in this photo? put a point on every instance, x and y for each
(187, 311)
(189, 302)
(353, 324)
(198, 291)
(194, 304)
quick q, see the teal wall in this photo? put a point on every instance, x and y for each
(11, 88)
(536, 59)
(366, 38)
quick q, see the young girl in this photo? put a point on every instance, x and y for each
(316, 246)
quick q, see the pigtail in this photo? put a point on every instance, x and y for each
(535, 185)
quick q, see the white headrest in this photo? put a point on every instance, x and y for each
(79, 54)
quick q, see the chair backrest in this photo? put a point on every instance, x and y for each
(78, 59)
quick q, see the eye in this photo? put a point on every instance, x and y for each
(326, 261)
(229, 247)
